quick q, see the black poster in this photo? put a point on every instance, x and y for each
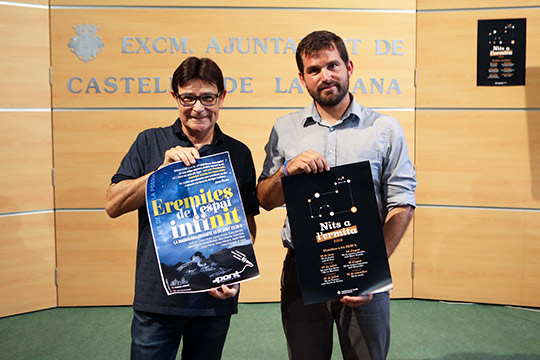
(501, 52)
(337, 233)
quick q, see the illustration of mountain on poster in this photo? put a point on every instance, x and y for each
(337, 233)
(199, 227)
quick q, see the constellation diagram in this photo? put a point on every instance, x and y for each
(503, 37)
(338, 201)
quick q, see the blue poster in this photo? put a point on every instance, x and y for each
(199, 227)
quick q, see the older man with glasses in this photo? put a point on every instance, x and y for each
(200, 320)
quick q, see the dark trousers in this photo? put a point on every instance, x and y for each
(157, 337)
(364, 332)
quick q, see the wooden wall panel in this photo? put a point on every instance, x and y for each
(89, 145)
(252, 127)
(270, 254)
(27, 257)
(363, 4)
(478, 255)
(478, 158)
(401, 266)
(472, 4)
(88, 148)
(36, 2)
(27, 263)
(25, 145)
(101, 138)
(24, 59)
(481, 159)
(446, 61)
(96, 258)
(269, 75)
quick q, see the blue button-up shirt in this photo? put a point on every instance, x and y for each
(361, 134)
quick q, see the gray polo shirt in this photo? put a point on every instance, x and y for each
(361, 134)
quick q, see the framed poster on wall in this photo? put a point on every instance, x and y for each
(501, 52)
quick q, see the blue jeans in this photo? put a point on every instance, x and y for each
(156, 336)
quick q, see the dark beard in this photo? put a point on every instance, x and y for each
(331, 100)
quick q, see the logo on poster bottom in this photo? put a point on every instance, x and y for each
(347, 291)
(226, 277)
(240, 256)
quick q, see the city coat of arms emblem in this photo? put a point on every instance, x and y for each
(87, 44)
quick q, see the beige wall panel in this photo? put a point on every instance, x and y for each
(363, 4)
(102, 138)
(256, 75)
(24, 60)
(89, 145)
(270, 254)
(478, 158)
(446, 60)
(25, 145)
(36, 2)
(253, 128)
(27, 263)
(88, 148)
(488, 256)
(473, 4)
(401, 266)
(96, 258)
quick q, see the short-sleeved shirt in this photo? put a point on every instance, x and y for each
(361, 134)
(146, 155)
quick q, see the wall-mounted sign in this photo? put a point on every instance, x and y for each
(501, 52)
(126, 57)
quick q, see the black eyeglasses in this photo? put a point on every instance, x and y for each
(205, 99)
